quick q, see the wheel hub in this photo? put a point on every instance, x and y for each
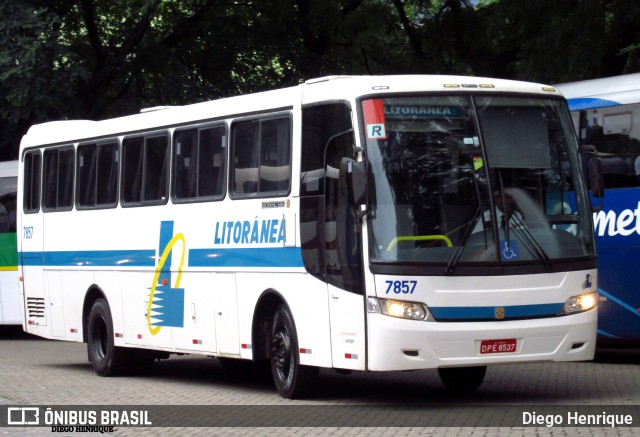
(281, 352)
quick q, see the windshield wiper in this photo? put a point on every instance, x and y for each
(451, 265)
(508, 210)
(524, 235)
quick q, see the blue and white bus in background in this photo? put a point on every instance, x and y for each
(606, 114)
(356, 223)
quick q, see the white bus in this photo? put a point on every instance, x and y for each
(9, 289)
(606, 114)
(329, 225)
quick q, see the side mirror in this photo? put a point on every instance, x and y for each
(594, 175)
(358, 183)
(353, 173)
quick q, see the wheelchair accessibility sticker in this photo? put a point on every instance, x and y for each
(509, 250)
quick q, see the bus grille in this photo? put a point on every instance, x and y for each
(35, 307)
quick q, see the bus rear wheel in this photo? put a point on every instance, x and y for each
(291, 379)
(105, 357)
(462, 379)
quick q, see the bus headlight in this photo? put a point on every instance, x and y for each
(582, 302)
(399, 308)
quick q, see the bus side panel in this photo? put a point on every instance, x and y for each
(199, 330)
(68, 270)
(225, 309)
(55, 297)
(347, 329)
(66, 290)
(142, 328)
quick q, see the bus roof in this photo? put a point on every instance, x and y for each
(312, 91)
(600, 93)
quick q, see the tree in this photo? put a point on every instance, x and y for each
(556, 41)
(28, 90)
(95, 59)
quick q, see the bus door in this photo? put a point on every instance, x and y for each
(343, 252)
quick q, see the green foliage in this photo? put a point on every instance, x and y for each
(62, 59)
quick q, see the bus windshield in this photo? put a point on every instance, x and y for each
(465, 179)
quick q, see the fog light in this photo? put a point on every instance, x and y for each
(580, 303)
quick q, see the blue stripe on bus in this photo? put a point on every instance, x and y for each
(580, 103)
(606, 334)
(247, 257)
(488, 313)
(244, 257)
(88, 258)
(623, 304)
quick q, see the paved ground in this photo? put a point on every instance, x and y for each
(41, 372)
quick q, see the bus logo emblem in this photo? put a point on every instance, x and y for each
(499, 313)
(166, 302)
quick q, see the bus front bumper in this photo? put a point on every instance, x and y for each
(399, 344)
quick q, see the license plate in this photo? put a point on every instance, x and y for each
(504, 346)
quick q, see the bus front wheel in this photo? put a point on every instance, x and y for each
(291, 379)
(105, 357)
(462, 379)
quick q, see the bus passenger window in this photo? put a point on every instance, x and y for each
(58, 179)
(97, 175)
(261, 157)
(86, 190)
(107, 177)
(185, 154)
(198, 163)
(132, 149)
(31, 198)
(246, 143)
(145, 170)
(211, 160)
(274, 155)
(155, 169)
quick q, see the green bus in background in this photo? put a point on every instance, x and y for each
(9, 289)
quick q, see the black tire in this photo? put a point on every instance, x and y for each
(462, 379)
(105, 357)
(291, 379)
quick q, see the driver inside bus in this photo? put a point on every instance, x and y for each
(506, 212)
